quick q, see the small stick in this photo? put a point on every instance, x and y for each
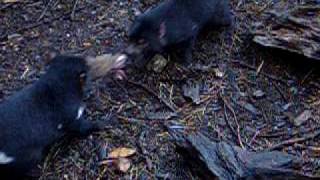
(265, 74)
(6, 6)
(235, 119)
(74, 9)
(154, 94)
(273, 135)
(306, 76)
(122, 88)
(254, 137)
(280, 91)
(227, 121)
(311, 148)
(293, 141)
(278, 134)
(44, 11)
(259, 68)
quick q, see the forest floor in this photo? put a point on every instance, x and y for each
(249, 96)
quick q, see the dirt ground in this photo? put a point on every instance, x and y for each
(249, 95)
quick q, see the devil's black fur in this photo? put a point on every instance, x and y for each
(174, 25)
(39, 115)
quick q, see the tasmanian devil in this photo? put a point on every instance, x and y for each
(174, 25)
(51, 108)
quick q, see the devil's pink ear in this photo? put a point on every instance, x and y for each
(162, 30)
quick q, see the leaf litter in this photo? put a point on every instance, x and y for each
(289, 87)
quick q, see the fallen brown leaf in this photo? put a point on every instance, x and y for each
(121, 153)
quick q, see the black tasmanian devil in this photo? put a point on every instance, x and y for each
(39, 115)
(174, 25)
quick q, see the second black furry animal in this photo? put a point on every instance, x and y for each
(174, 25)
(39, 115)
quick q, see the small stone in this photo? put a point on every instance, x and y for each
(192, 91)
(158, 63)
(111, 20)
(218, 73)
(287, 106)
(258, 94)
(216, 108)
(13, 36)
(302, 118)
(251, 108)
(136, 11)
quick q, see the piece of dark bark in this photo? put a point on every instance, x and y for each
(192, 90)
(220, 160)
(296, 30)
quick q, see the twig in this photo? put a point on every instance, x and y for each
(235, 119)
(44, 11)
(254, 137)
(6, 6)
(311, 148)
(74, 9)
(122, 88)
(278, 134)
(273, 135)
(259, 68)
(264, 7)
(154, 94)
(265, 74)
(228, 123)
(306, 76)
(280, 91)
(293, 141)
(317, 85)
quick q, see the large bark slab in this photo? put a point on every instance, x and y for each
(296, 30)
(220, 160)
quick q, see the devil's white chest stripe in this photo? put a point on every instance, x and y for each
(4, 159)
(80, 111)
